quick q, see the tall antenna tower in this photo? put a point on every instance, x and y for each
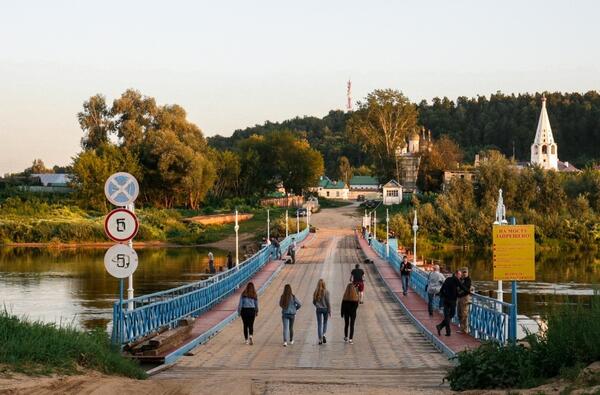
(349, 96)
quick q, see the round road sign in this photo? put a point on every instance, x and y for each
(121, 225)
(121, 189)
(120, 261)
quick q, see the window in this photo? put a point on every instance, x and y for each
(337, 194)
(392, 193)
(544, 149)
(553, 148)
(327, 193)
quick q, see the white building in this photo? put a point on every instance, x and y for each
(332, 189)
(392, 193)
(544, 151)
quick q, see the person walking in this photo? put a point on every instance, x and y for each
(435, 279)
(289, 305)
(323, 309)
(248, 310)
(292, 250)
(357, 278)
(211, 263)
(449, 293)
(229, 260)
(405, 272)
(277, 247)
(464, 300)
(349, 307)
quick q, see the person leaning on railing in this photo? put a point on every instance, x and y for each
(435, 279)
(464, 300)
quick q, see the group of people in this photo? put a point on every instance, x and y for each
(453, 291)
(290, 304)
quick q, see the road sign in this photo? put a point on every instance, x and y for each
(121, 225)
(121, 189)
(120, 261)
(514, 252)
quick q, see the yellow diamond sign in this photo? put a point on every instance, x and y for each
(514, 252)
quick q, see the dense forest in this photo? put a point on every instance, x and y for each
(475, 124)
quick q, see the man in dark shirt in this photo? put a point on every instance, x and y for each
(405, 272)
(449, 294)
(357, 278)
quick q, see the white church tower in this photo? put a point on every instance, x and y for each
(544, 151)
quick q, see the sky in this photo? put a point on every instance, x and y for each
(233, 64)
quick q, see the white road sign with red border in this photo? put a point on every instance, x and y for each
(121, 225)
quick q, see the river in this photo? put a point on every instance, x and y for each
(72, 286)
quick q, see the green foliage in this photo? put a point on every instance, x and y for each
(278, 157)
(569, 343)
(40, 348)
(380, 125)
(503, 120)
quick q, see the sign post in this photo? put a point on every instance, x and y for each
(514, 260)
(237, 240)
(387, 233)
(286, 224)
(121, 225)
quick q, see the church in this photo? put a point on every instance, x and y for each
(544, 151)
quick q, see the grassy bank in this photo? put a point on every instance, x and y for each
(38, 221)
(37, 348)
(568, 345)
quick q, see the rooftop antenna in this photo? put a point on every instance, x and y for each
(349, 96)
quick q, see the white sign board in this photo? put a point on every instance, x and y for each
(121, 189)
(120, 261)
(121, 225)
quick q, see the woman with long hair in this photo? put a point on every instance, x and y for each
(289, 305)
(248, 310)
(349, 306)
(323, 308)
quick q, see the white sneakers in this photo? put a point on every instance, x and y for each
(350, 341)
(285, 344)
(292, 342)
(250, 341)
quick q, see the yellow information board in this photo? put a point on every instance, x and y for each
(514, 252)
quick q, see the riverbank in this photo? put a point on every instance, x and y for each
(36, 348)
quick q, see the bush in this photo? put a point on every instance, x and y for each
(571, 340)
(40, 348)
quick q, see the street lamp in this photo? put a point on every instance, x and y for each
(415, 228)
(387, 233)
(500, 220)
(237, 240)
(268, 228)
(286, 224)
(297, 221)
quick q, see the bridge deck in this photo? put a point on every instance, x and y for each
(389, 352)
(417, 306)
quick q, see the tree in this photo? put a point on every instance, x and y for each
(38, 167)
(91, 168)
(380, 125)
(96, 122)
(444, 155)
(345, 170)
(134, 115)
(228, 169)
(278, 157)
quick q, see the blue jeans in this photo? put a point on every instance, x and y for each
(405, 281)
(288, 327)
(430, 298)
(322, 315)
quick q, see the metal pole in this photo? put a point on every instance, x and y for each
(297, 222)
(500, 220)
(286, 224)
(268, 228)
(387, 233)
(237, 239)
(121, 322)
(513, 322)
(415, 228)
(130, 279)
(375, 223)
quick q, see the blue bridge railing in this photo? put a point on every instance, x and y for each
(488, 317)
(164, 309)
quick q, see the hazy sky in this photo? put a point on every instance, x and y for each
(236, 64)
